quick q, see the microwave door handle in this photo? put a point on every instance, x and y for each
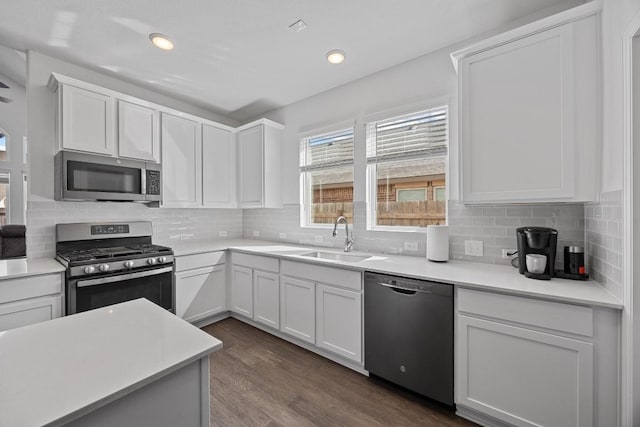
(122, 277)
(143, 180)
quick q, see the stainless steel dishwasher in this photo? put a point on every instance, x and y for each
(409, 334)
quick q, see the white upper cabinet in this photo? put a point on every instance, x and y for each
(528, 104)
(86, 121)
(218, 167)
(181, 162)
(138, 132)
(260, 165)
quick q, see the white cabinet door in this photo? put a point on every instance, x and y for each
(218, 168)
(297, 308)
(87, 121)
(517, 120)
(266, 297)
(181, 162)
(242, 290)
(339, 321)
(251, 167)
(523, 377)
(200, 293)
(138, 132)
(30, 311)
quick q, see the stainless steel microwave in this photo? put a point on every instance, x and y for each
(90, 177)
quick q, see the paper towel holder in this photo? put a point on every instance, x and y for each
(438, 243)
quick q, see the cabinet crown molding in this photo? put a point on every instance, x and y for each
(265, 122)
(579, 12)
(56, 79)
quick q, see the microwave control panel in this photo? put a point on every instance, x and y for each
(153, 182)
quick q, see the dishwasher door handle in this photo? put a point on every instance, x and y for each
(400, 289)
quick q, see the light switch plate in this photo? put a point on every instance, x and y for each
(318, 239)
(222, 234)
(473, 248)
(256, 233)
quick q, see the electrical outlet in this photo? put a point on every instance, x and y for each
(282, 235)
(318, 239)
(256, 233)
(410, 246)
(506, 252)
(473, 248)
(222, 234)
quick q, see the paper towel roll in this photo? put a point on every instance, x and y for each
(438, 243)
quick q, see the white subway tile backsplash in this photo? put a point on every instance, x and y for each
(169, 225)
(598, 227)
(603, 229)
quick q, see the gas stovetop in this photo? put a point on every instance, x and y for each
(111, 253)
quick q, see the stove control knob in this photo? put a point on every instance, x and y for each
(151, 261)
(104, 267)
(162, 259)
(128, 264)
(89, 269)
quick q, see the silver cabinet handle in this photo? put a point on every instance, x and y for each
(122, 277)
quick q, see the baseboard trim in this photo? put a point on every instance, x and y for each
(478, 417)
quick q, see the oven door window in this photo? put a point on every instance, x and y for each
(157, 288)
(95, 177)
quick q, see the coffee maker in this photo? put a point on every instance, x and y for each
(537, 241)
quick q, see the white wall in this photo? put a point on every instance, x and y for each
(13, 122)
(41, 103)
(616, 16)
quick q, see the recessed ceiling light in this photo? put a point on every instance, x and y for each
(335, 56)
(161, 41)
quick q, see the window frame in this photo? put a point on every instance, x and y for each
(306, 197)
(371, 168)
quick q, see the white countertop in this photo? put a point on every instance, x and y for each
(14, 268)
(58, 370)
(498, 278)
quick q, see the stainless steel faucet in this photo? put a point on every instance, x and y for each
(348, 240)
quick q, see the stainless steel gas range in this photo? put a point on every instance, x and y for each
(108, 263)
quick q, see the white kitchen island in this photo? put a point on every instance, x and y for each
(127, 364)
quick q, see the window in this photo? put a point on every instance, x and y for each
(406, 170)
(4, 197)
(326, 174)
(3, 146)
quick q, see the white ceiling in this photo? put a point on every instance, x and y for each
(238, 57)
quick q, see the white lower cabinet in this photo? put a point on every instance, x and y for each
(29, 311)
(297, 308)
(200, 293)
(525, 377)
(339, 321)
(241, 295)
(266, 297)
(525, 362)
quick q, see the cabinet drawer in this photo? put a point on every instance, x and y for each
(257, 262)
(332, 276)
(208, 259)
(569, 318)
(30, 287)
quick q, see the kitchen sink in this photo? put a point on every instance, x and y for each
(336, 256)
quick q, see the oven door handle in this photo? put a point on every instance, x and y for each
(122, 277)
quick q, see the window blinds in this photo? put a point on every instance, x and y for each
(422, 134)
(334, 149)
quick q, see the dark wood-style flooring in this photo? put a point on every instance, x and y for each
(258, 379)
